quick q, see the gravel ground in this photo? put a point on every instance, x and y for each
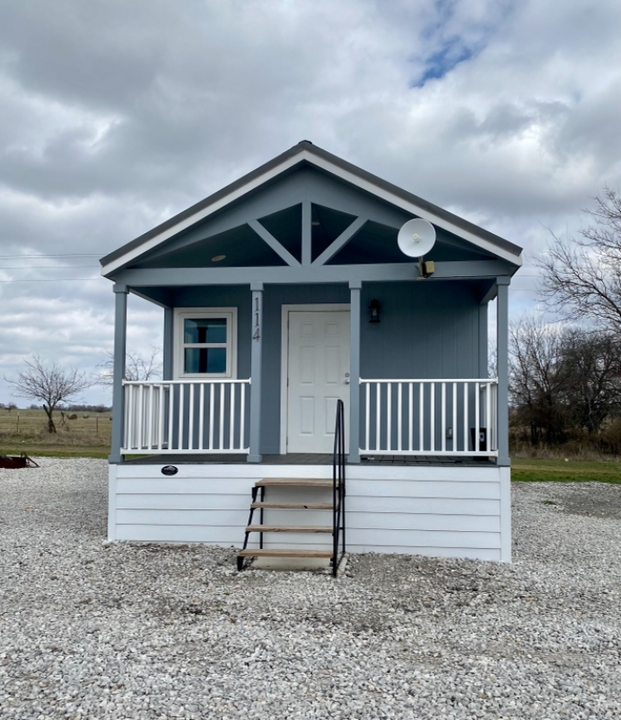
(89, 629)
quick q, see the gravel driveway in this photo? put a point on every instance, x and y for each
(94, 630)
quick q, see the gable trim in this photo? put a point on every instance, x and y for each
(306, 152)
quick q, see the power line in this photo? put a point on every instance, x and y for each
(91, 279)
(47, 267)
(47, 257)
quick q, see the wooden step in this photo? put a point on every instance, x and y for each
(286, 553)
(293, 506)
(293, 482)
(290, 528)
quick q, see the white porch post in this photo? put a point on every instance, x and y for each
(254, 455)
(502, 344)
(120, 348)
(354, 373)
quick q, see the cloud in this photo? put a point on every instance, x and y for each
(116, 115)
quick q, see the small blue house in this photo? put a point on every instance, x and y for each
(284, 293)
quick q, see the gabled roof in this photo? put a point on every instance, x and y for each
(306, 152)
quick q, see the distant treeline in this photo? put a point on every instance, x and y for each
(70, 408)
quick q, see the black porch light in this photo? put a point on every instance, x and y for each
(375, 309)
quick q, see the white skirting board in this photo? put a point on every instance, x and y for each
(444, 511)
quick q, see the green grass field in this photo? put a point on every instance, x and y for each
(535, 470)
(25, 431)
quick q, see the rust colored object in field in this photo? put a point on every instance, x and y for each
(16, 461)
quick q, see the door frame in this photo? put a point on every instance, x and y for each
(284, 356)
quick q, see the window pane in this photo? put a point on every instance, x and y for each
(205, 360)
(204, 330)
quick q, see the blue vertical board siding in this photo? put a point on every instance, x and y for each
(427, 330)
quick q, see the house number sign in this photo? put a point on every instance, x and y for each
(256, 334)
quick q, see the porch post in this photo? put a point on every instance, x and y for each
(254, 456)
(483, 342)
(502, 344)
(167, 350)
(355, 287)
(120, 349)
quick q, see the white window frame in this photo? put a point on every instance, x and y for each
(181, 314)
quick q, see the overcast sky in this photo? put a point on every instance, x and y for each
(115, 115)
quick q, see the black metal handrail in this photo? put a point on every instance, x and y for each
(338, 487)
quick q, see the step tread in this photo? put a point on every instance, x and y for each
(293, 506)
(290, 528)
(293, 482)
(286, 553)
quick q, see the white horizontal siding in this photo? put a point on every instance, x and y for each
(422, 521)
(212, 535)
(422, 505)
(443, 511)
(183, 501)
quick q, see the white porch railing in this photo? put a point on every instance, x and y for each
(186, 416)
(430, 417)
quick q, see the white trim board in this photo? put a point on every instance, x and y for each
(179, 313)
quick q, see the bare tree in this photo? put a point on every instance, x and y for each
(536, 379)
(582, 278)
(592, 370)
(137, 367)
(50, 385)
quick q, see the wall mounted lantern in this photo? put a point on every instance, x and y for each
(375, 309)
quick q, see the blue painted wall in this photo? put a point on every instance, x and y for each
(428, 330)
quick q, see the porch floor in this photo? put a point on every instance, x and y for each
(307, 459)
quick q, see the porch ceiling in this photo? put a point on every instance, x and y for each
(241, 246)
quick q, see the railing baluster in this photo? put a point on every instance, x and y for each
(410, 416)
(378, 398)
(221, 427)
(432, 398)
(171, 407)
(242, 417)
(191, 418)
(466, 396)
(399, 415)
(389, 416)
(454, 433)
(443, 416)
(488, 416)
(232, 412)
(367, 415)
(181, 412)
(140, 414)
(129, 425)
(477, 401)
(151, 420)
(160, 417)
(211, 414)
(421, 415)
(201, 416)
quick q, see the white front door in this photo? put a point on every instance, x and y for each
(317, 375)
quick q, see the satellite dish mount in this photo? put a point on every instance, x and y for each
(415, 239)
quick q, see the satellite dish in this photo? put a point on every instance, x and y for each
(416, 237)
